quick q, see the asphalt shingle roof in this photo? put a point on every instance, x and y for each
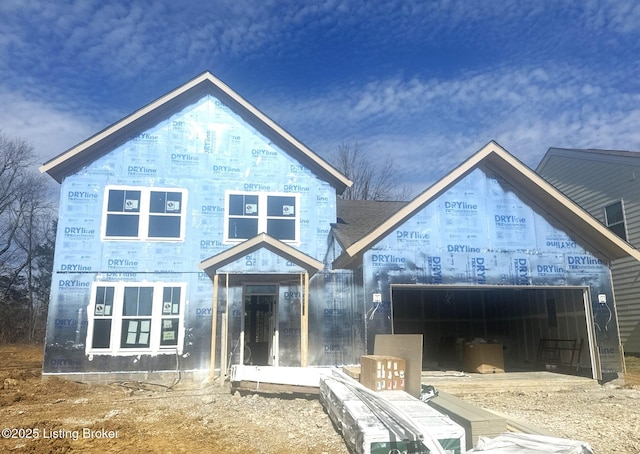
(356, 218)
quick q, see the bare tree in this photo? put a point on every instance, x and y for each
(369, 182)
(16, 156)
(25, 226)
(33, 231)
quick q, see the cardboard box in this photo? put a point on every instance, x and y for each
(382, 373)
(409, 348)
(483, 358)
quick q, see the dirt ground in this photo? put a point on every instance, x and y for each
(607, 416)
(61, 416)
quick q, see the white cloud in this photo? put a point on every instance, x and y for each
(49, 129)
(428, 122)
(429, 127)
(614, 16)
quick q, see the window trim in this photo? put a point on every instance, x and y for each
(117, 319)
(262, 216)
(623, 221)
(144, 213)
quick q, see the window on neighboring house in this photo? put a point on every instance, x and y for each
(131, 318)
(614, 219)
(248, 214)
(144, 213)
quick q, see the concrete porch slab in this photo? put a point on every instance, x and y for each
(456, 382)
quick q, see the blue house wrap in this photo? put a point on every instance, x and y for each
(198, 225)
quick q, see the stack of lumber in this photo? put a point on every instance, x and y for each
(380, 422)
(449, 434)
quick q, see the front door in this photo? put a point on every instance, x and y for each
(260, 325)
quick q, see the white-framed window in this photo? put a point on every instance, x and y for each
(141, 213)
(250, 213)
(130, 318)
(614, 219)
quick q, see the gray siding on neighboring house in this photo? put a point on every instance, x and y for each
(595, 179)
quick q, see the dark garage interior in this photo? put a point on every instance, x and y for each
(538, 327)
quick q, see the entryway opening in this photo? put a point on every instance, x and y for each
(259, 325)
(533, 325)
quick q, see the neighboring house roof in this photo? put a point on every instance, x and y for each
(576, 220)
(206, 83)
(261, 241)
(356, 218)
(618, 156)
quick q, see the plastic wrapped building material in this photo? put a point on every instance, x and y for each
(365, 432)
(362, 430)
(333, 394)
(518, 443)
(475, 420)
(441, 428)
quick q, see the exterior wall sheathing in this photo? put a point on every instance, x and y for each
(204, 149)
(482, 232)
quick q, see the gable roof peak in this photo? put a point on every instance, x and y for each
(521, 177)
(146, 117)
(260, 241)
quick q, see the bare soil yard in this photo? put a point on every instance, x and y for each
(62, 416)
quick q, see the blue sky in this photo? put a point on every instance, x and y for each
(425, 83)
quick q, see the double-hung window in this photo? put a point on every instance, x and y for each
(137, 308)
(171, 310)
(614, 219)
(140, 213)
(132, 318)
(248, 214)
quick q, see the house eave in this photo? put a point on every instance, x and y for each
(345, 261)
(631, 158)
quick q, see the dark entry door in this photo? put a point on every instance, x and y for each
(259, 327)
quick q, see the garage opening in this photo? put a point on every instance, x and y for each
(539, 328)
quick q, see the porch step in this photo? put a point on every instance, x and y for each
(304, 380)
